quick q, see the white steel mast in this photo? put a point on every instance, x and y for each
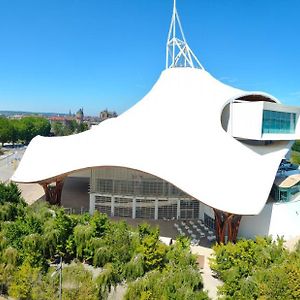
(178, 53)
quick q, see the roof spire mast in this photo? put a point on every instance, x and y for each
(178, 53)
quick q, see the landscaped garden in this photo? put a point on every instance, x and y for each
(257, 269)
(98, 255)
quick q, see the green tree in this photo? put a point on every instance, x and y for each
(119, 240)
(10, 193)
(106, 280)
(6, 275)
(78, 283)
(10, 256)
(82, 127)
(23, 282)
(154, 253)
(33, 250)
(56, 233)
(174, 281)
(29, 127)
(100, 224)
(58, 129)
(70, 127)
(15, 133)
(6, 130)
(11, 202)
(255, 269)
(82, 238)
(152, 250)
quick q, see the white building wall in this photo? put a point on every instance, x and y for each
(92, 203)
(133, 207)
(156, 209)
(201, 210)
(112, 206)
(252, 226)
(285, 220)
(204, 209)
(246, 120)
(276, 219)
(178, 209)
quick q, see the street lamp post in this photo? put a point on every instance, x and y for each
(60, 279)
(59, 268)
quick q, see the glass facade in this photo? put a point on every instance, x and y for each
(127, 182)
(280, 194)
(189, 209)
(167, 209)
(123, 207)
(103, 204)
(122, 192)
(209, 222)
(278, 122)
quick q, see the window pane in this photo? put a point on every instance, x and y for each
(278, 122)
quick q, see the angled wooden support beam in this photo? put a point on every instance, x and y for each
(226, 223)
(233, 228)
(53, 190)
(220, 221)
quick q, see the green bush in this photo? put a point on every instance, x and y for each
(23, 282)
(260, 269)
(296, 146)
(32, 237)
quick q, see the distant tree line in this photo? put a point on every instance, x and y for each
(23, 130)
(67, 128)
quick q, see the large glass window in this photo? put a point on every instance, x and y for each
(145, 208)
(123, 207)
(104, 185)
(167, 209)
(278, 122)
(209, 222)
(103, 204)
(189, 209)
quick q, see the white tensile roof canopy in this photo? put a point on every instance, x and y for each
(174, 133)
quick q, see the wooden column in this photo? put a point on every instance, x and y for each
(220, 226)
(226, 223)
(53, 191)
(233, 228)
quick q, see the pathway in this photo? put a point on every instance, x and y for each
(209, 281)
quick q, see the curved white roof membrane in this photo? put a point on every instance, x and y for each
(174, 133)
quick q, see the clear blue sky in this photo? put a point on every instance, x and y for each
(58, 55)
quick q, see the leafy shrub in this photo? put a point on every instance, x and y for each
(107, 279)
(260, 269)
(32, 237)
(23, 282)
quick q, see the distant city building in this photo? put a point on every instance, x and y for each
(105, 114)
(79, 116)
(62, 119)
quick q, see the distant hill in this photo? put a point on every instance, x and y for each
(8, 113)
